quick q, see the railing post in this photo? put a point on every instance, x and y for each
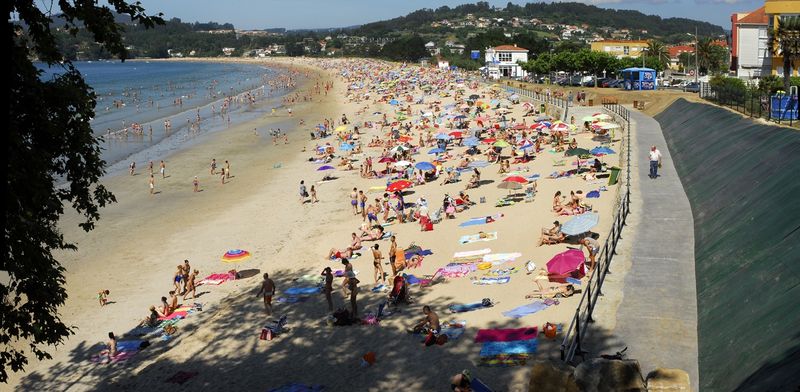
(590, 308)
(577, 332)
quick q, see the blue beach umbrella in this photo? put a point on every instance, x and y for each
(425, 166)
(436, 150)
(393, 102)
(443, 136)
(460, 117)
(580, 224)
(471, 142)
(602, 150)
(326, 167)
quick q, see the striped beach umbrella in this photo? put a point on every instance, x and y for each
(235, 256)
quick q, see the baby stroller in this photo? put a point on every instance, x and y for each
(399, 293)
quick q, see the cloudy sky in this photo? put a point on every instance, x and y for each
(292, 14)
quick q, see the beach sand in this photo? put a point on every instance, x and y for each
(139, 241)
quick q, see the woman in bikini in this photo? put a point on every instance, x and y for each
(377, 264)
(557, 206)
(178, 278)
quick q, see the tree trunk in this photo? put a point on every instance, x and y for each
(787, 71)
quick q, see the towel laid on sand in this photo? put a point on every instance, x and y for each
(125, 350)
(468, 239)
(454, 328)
(217, 279)
(481, 220)
(302, 290)
(461, 308)
(499, 258)
(506, 335)
(524, 310)
(490, 349)
(472, 254)
(492, 280)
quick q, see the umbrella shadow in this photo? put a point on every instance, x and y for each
(248, 273)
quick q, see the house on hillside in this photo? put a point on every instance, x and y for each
(503, 61)
(432, 49)
(750, 57)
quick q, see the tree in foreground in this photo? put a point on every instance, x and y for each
(49, 141)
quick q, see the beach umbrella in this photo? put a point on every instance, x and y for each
(589, 119)
(542, 118)
(235, 256)
(601, 116)
(402, 163)
(341, 128)
(393, 102)
(519, 127)
(425, 166)
(470, 142)
(326, 167)
(527, 146)
(606, 125)
(443, 136)
(566, 262)
(576, 151)
(386, 159)
(580, 224)
(460, 117)
(501, 144)
(519, 179)
(456, 134)
(436, 150)
(489, 140)
(346, 147)
(399, 185)
(399, 149)
(602, 150)
(404, 138)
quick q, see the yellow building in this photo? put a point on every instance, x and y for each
(620, 48)
(775, 10)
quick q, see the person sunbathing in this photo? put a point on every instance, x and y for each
(464, 163)
(373, 235)
(552, 235)
(151, 320)
(557, 206)
(164, 309)
(429, 323)
(451, 177)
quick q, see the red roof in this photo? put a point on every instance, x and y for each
(675, 51)
(755, 17)
(510, 48)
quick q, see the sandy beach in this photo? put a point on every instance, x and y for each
(137, 244)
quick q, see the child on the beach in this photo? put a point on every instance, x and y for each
(102, 296)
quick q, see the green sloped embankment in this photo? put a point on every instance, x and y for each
(742, 179)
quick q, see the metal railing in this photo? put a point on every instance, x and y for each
(548, 99)
(575, 334)
(756, 104)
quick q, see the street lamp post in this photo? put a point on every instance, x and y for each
(696, 62)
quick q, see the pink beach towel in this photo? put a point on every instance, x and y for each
(506, 335)
(217, 279)
(175, 314)
(121, 356)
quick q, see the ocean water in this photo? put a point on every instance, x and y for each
(136, 96)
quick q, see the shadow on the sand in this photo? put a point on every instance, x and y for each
(221, 343)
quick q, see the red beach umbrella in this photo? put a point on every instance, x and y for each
(519, 179)
(567, 262)
(489, 140)
(387, 159)
(399, 185)
(456, 134)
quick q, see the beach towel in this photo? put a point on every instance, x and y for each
(572, 280)
(593, 194)
(217, 279)
(302, 290)
(491, 349)
(468, 239)
(454, 329)
(492, 280)
(524, 310)
(181, 377)
(481, 220)
(472, 253)
(506, 335)
(296, 387)
(424, 252)
(499, 258)
(461, 308)
(175, 315)
(125, 350)
(505, 360)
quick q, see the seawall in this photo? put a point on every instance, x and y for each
(742, 179)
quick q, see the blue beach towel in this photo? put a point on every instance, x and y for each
(129, 345)
(525, 310)
(593, 194)
(461, 308)
(411, 279)
(490, 349)
(302, 290)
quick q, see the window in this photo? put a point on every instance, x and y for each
(626, 50)
(504, 57)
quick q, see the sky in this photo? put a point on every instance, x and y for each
(296, 14)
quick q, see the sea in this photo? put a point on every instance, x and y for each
(136, 98)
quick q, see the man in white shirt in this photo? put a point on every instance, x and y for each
(655, 161)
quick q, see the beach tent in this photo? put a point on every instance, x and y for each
(637, 78)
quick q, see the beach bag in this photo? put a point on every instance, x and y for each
(430, 340)
(441, 339)
(427, 226)
(486, 302)
(266, 334)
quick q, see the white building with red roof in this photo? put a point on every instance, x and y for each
(503, 61)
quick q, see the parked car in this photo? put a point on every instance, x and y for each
(612, 83)
(692, 87)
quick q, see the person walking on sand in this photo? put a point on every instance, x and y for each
(213, 166)
(191, 285)
(177, 278)
(152, 184)
(227, 169)
(303, 192)
(132, 167)
(655, 161)
(377, 264)
(268, 290)
(150, 167)
(186, 270)
(196, 184)
(222, 175)
(328, 289)
(354, 200)
(392, 255)
(163, 169)
(313, 195)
